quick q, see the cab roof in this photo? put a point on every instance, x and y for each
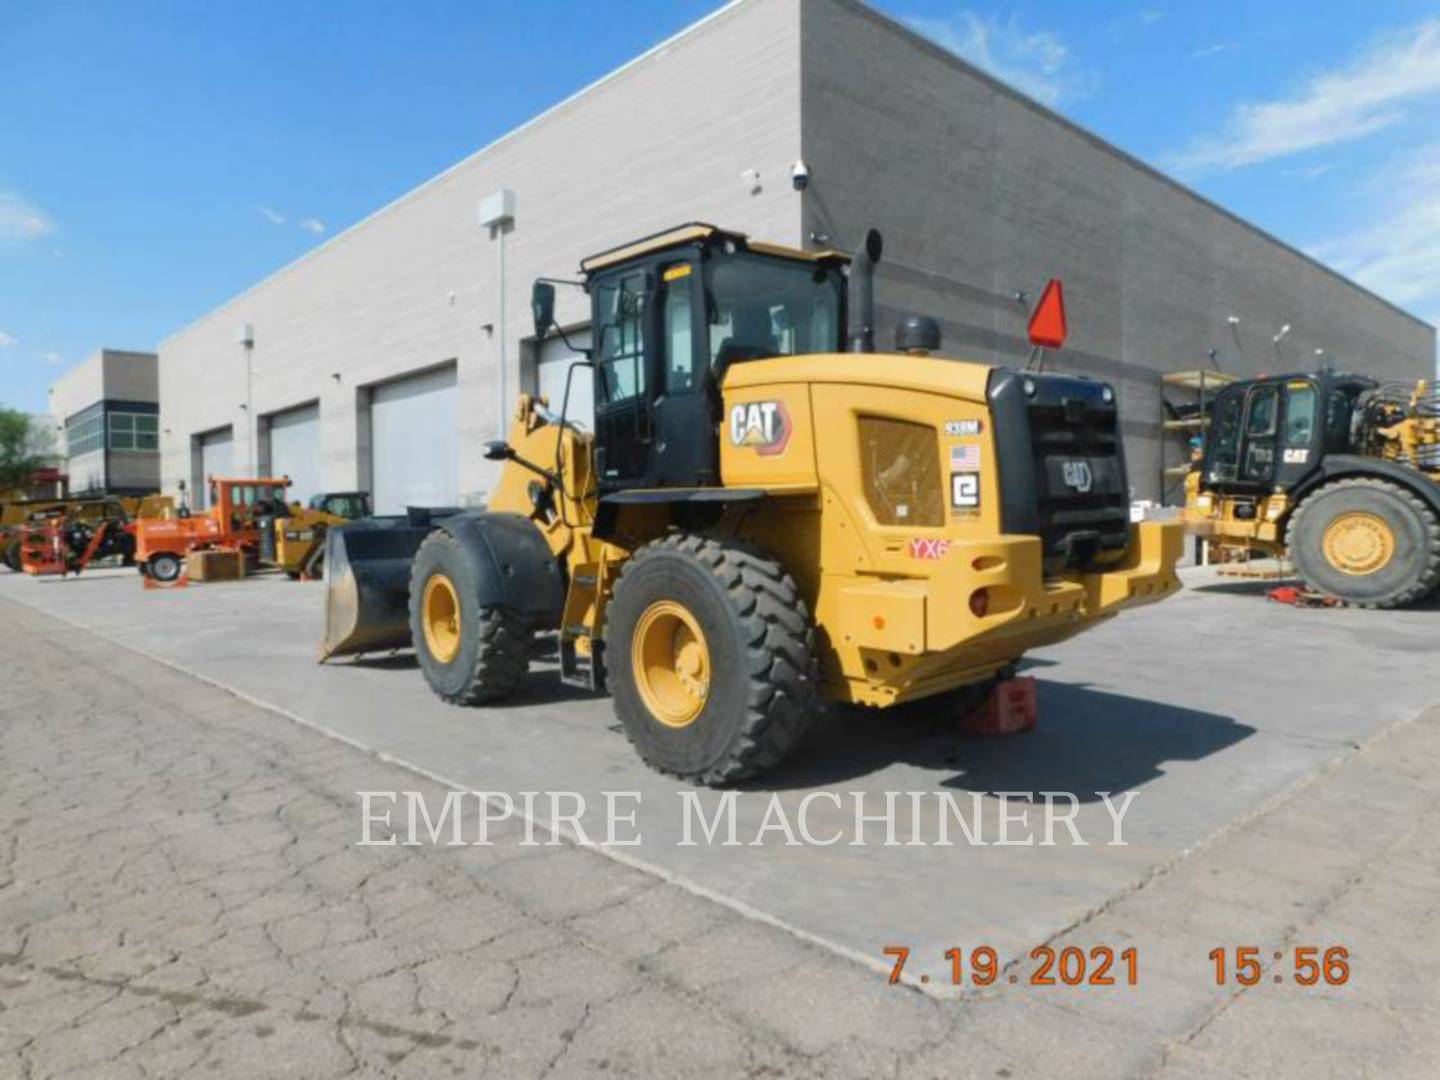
(697, 232)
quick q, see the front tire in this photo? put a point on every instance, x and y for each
(1367, 542)
(471, 655)
(165, 568)
(711, 658)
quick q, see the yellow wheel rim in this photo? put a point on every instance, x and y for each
(1358, 543)
(671, 662)
(440, 616)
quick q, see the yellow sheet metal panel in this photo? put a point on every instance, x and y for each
(894, 371)
(887, 615)
(873, 478)
(767, 438)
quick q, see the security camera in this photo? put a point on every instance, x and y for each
(800, 176)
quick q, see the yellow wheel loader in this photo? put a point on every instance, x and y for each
(762, 519)
(294, 541)
(1337, 472)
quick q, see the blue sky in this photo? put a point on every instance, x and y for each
(158, 157)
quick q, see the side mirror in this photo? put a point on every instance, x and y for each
(497, 450)
(542, 306)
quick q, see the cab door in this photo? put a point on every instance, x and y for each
(1243, 449)
(624, 419)
(1301, 433)
(686, 449)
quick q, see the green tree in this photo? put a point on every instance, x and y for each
(24, 446)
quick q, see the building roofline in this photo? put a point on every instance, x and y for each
(414, 192)
(859, 7)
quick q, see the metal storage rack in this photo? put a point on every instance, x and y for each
(1203, 383)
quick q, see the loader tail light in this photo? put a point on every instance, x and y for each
(980, 603)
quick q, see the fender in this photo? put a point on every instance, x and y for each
(1340, 466)
(512, 563)
(605, 516)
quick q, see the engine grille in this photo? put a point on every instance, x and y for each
(900, 467)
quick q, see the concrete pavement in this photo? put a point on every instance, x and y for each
(165, 832)
(1208, 705)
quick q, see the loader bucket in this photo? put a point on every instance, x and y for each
(367, 582)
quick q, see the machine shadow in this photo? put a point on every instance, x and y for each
(541, 687)
(1087, 741)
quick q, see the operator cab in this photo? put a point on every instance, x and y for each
(670, 315)
(1271, 433)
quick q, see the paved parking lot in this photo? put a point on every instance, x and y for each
(1285, 797)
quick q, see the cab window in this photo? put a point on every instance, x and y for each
(680, 375)
(1263, 401)
(1299, 415)
(622, 339)
(1225, 437)
(1339, 409)
(758, 307)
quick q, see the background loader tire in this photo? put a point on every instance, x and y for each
(761, 657)
(1409, 543)
(10, 555)
(165, 568)
(492, 654)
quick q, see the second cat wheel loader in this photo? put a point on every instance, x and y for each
(1337, 472)
(763, 518)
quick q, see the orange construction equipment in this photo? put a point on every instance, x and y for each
(62, 544)
(232, 521)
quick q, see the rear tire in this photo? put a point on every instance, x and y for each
(10, 555)
(471, 655)
(1368, 542)
(758, 648)
(164, 568)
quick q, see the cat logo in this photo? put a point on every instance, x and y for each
(764, 425)
(1077, 475)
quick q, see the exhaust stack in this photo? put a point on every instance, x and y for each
(861, 296)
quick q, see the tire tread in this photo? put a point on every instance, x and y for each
(782, 672)
(1429, 578)
(502, 660)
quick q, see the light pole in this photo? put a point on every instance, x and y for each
(496, 212)
(247, 341)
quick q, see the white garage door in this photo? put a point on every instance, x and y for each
(217, 458)
(295, 450)
(555, 361)
(414, 444)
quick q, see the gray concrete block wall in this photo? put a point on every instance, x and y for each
(982, 193)
(661, 142)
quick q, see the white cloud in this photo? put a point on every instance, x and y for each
(1037, 62)
(1209, 51)
(1314, 172)
(7, 341)
(19, 220)
(270, 214)
(312, 225)
(1150, 16)
(54, 359)
(1398, 253)
(1368, 94)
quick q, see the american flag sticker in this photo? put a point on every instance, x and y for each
(965, 458)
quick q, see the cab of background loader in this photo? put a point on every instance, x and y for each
(1271, 434)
